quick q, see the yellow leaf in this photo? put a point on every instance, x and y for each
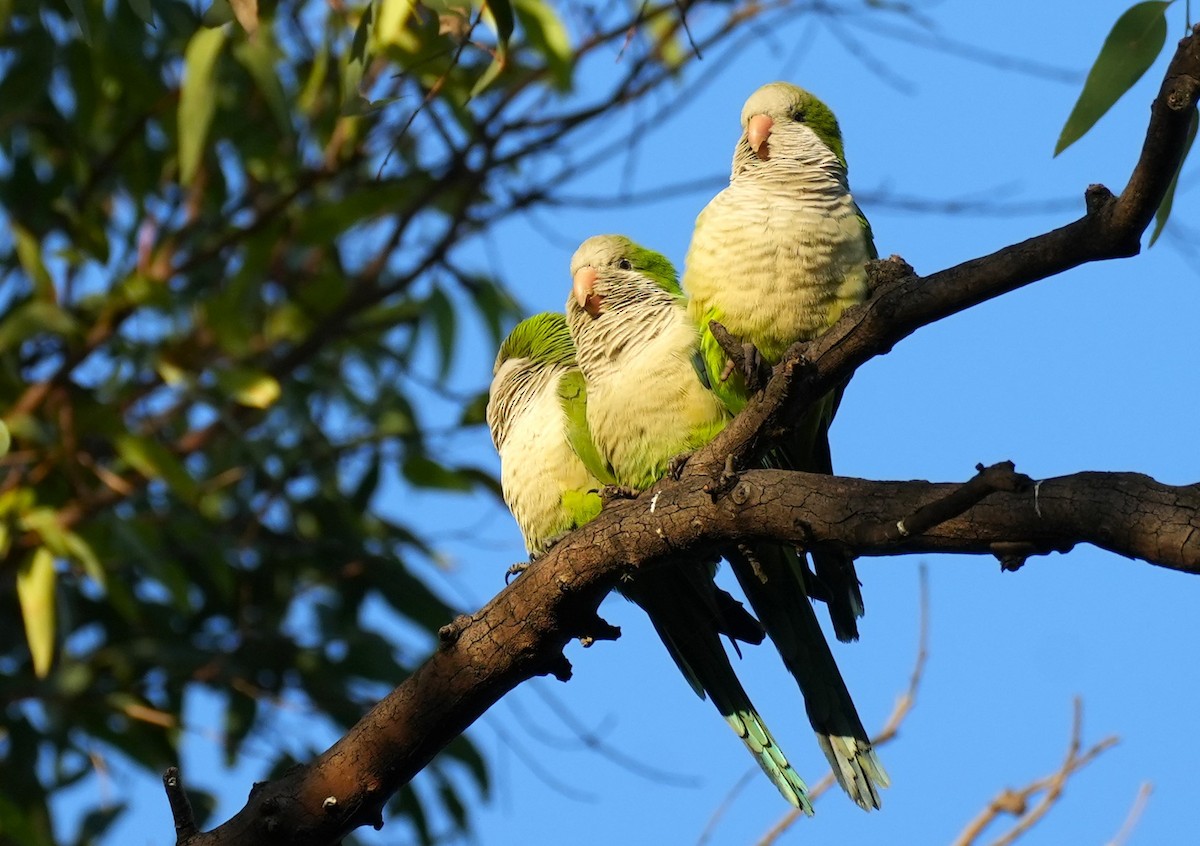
(249, 387)
(170, 373)
(35, 592)
(44, 521)
(391, 24)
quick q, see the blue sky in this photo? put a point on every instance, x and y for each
(1092, 370)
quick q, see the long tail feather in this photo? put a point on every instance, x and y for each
(809, 452)
(771, 576)
(690, 613)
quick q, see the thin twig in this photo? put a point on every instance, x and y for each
(591, 739)
(1050, 788)
(1135, 814)
(687, 29)
(433, 91)
(730, 796)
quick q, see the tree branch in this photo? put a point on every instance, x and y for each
(522, 631)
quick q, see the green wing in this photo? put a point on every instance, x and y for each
(872, 252)
(572, 395)
(731, 391)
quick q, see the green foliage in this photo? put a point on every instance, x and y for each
(35, 591)
(1130, 49)
(232, 250)
(1132, 46)
(197, 98)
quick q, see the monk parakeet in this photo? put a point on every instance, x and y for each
(550, 473)
(776, 257)
(649, 400)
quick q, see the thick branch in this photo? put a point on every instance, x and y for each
(521, 632)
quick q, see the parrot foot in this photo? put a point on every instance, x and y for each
(748, 555)
(515, 570)
(610, 492)
(755, 369)
(724, 483)
(597, 628)
(534, 557)
(743, 357)
(675, 465)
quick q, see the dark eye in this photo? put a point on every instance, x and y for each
(625, 264)
(798, 115)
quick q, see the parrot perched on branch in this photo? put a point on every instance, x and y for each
(775, 258)
(649, 401)
(550, 473)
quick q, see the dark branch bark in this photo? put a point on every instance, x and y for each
(522, 631)
(181, 808)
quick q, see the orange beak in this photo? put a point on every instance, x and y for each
(758, 131)
(582, 285)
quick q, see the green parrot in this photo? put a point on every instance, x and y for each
(776, 257)
(550, 471)
(649, 401)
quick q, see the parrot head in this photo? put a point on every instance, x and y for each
(610, 273)
(780, 118)
(542, 339)
(534, 345)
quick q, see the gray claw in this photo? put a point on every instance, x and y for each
(610, 492)
(675, 465)
(755, 369)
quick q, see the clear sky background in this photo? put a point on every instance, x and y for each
(1092, 370)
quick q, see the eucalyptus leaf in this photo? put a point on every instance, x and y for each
(1130, 49)
(143, 9)
(249, 387)
(79, 12)
(35, 592)
(197, 99)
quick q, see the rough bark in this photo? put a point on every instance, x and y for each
(522, 631)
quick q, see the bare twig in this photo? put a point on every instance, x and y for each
(1135, 814)
(682, 7)
(1016, 802)
(731, 795)
(590, 738)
